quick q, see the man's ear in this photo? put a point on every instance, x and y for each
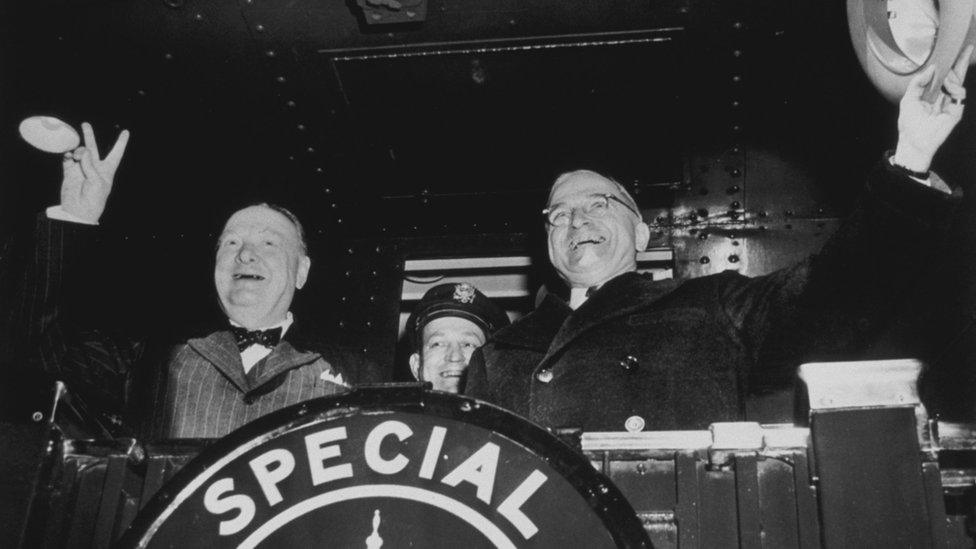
(642, 235)
(304, 264)
(415, 366)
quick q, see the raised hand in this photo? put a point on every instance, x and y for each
(88, 177)
(924, 126)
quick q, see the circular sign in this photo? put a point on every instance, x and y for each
(926, 35)
(388, 466)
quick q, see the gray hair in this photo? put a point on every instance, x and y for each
(291, 217)
(624, 194)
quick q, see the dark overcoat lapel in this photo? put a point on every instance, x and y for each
(620, 297)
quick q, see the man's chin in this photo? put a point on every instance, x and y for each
(250, 316)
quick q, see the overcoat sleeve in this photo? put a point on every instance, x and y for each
(54, 316)
(829, 306)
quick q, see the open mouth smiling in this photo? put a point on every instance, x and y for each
(576, 243)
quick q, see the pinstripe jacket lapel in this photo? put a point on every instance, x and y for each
(220, 349)
(284, 357)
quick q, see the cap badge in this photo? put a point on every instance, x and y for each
(464, 293)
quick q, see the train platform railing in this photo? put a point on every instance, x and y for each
(871, 470)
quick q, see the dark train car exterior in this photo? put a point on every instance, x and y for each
(417, 141)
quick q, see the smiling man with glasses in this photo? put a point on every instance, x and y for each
(629, 353)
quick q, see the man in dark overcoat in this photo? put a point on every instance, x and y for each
(629, 353)
(201, 385)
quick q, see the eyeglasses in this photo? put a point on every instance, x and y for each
(596, 205)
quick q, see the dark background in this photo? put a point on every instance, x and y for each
(744, 128)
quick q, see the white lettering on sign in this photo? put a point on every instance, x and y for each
(274, 466)
(318, 453)
(433, 451)
(511, 508)
(479, 469)
(371, 450)
(218, 505)
(268, 477)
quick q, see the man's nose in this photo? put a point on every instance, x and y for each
(578, 218)
(246, 254)
(454, 353)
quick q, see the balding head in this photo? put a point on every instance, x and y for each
(601, 235)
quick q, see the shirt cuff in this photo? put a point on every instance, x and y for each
(60, 214)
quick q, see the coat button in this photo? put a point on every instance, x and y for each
(629, 363)
(634, 424)
(545, 376)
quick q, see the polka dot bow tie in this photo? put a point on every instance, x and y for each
(245, 338)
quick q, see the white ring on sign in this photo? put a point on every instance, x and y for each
(420, 495)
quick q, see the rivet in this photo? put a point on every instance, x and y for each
(544, 376)
(342, 323)
(735, 205)
(290, 104)
(350, 251)
(37, 417)
(198, 17)
(629, 363)
(735, 172)
(259, 27)
(338, 221)
(733, 258)
(737, 79)
(280, 79)
(733, 189)
(270, 53)
(736, 53)
(310, 150)
(168, 56)
(348, 274)
(369, 324)
(703, 236)
(737, 25)
(301, 127)
(704, 260)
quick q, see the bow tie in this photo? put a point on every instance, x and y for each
(245, 338)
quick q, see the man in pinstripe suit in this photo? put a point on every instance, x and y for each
(198, 387)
